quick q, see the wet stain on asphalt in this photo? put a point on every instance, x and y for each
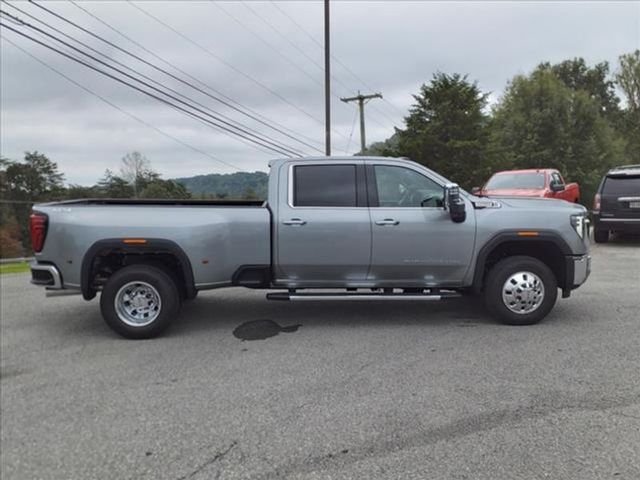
(261, 329)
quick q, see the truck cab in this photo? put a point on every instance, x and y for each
(369, 223)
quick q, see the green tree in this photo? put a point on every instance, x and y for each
(159, 188)
(446, 129)
(628, 79)
(136, 170)
(594, 81)
(11, 239)
(540, 123)
(249, 194)
(80, 191)
(35, 179)
(112, 186)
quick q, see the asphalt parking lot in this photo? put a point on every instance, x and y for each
(368, 391)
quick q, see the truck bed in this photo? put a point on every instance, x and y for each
(217, 236)
(151, 201)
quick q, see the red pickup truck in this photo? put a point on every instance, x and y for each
(541, 182)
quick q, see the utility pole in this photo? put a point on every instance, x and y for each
(327, 80)
(362, 100)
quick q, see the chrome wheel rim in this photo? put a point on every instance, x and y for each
(138, 304)
(523, 292)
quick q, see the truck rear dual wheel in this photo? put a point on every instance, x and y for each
(139, 301)
(520, 290)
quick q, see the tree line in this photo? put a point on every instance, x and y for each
(566, 116)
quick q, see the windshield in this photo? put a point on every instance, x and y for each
(516, 180)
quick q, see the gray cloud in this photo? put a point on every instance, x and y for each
(393, 46)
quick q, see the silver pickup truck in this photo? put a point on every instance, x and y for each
(351, 228)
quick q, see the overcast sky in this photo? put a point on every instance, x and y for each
(256, 55)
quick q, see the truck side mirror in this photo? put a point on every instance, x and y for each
(476, 190)
(454, 203)
(556, 187)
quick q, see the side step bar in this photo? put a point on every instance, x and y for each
(352, 296)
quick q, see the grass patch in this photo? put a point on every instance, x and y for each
(20, 267)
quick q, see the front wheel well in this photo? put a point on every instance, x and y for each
(546, 251)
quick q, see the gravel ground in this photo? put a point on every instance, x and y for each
(380, 390)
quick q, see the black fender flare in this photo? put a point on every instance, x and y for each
(514, 235)
(151, 245)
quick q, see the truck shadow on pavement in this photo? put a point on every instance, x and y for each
(249, 316)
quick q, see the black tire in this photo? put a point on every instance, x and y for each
(165, 287)
(601, 236)
(498, 276)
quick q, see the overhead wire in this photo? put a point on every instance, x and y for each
(98, 37)
(287, 59)
(333, 57)
(353, 127)
(222, 60)
(268, 122)
(120, 109)
(296, 47)
(217, 121)
(124, 82)
(258, 134)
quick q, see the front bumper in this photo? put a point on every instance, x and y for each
(46, 275)
(581, 269)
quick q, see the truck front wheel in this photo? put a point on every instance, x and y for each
(139, 301)
(520, 290)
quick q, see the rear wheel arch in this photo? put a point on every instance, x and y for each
(548, 247)
(113, 254)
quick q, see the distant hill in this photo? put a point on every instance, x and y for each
(230, 185)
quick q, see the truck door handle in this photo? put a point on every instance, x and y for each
(387, 221)
(295, 221)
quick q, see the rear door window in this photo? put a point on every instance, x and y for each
(622, 186)
(324, 186)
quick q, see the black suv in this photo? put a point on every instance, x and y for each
(616, 206)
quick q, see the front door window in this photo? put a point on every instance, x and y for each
(403, 187)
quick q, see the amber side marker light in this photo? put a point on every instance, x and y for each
(134, 241)
(528, 234)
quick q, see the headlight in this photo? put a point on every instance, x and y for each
(579, 223)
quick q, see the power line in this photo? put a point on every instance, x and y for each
(217, 121)
(353, 128)
(252, 113)
(141, 90)
(257, 134)
(362, 100)
(259, 37)
(120, 109)
(287, 59)
(220, 59)
(136, 57)
(335, 59)
(296, 47)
